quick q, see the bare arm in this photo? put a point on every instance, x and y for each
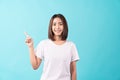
(73, 70)
(35, 62)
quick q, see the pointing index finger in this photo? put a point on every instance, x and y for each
(26, 34)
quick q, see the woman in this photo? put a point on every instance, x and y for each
(59, 55)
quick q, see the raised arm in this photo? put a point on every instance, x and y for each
(35, 61)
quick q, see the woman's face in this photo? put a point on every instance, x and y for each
(57, 26)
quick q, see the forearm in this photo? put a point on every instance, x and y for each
(33, 58)
(73, 76)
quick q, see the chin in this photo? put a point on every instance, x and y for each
(57, 34)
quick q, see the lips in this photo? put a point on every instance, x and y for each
(57, 31)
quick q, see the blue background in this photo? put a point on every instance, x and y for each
(94, 26)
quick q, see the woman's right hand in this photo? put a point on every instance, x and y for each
(28, 40)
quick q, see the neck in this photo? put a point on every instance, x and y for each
(57, 38)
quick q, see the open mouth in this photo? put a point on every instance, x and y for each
(58, 31)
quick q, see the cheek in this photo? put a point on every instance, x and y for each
(62, 28)
(52, 28)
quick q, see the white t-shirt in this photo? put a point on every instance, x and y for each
(56, 59)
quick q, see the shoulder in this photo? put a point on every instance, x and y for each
(43, 42)
(71, 43)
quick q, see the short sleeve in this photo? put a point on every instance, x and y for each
(75, 56)
(39, 51)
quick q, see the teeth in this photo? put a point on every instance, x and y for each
(57, 30)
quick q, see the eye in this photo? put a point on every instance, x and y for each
(54, 24)
(61, 23)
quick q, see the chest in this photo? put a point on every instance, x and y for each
(57, 53)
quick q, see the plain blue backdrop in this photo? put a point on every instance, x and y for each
(94, 26)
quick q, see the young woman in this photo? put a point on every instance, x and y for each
(58, 54)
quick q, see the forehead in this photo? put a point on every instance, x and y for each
(57, 19)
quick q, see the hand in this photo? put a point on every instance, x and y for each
(28, 40)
